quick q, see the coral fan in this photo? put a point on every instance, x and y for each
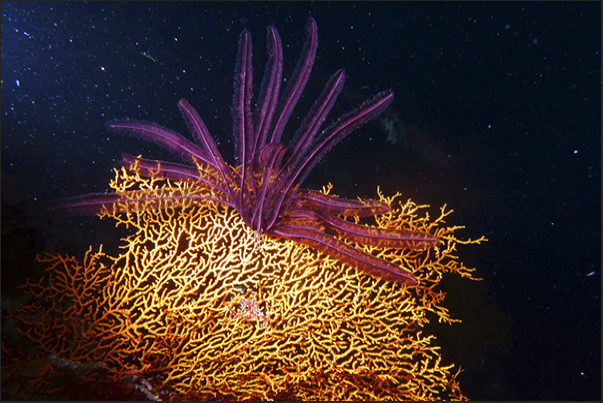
(198, 306)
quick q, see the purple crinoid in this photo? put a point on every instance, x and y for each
(264, 186)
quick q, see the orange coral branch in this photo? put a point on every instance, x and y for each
(198, 306)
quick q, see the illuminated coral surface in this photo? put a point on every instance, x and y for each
(198, 306)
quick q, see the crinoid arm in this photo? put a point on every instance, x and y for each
(293, 176)
(166, 138)
(319, 201)
(365, 262)
(88, 204)
(171, 170)
(378, 237)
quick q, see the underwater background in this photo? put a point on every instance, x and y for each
(497, 113)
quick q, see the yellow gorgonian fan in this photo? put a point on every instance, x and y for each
(197, 306)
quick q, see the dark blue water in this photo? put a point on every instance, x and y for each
(497, 113)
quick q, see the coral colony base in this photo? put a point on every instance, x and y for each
(222, 292)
